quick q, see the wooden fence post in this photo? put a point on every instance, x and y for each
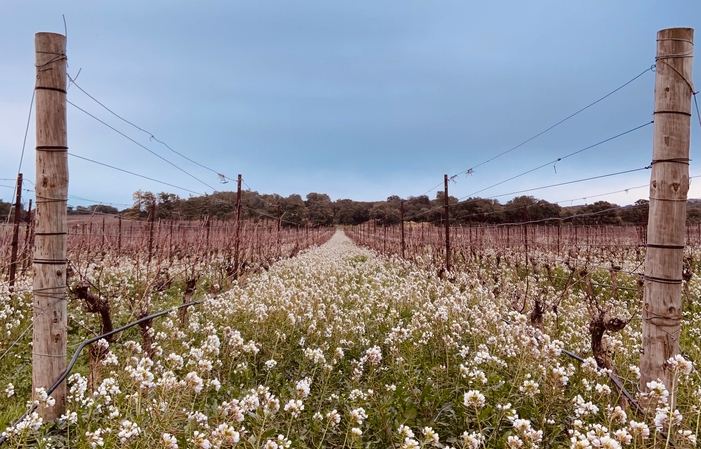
(49, 264)
(209, 228)
(669, 184)
(151, 220)
(279, 221)
(119, 235)
(525, 234)
(238, 229)
(447, 223)
(401, 211)
(27, 238)
(15, 232)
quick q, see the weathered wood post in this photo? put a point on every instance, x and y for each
(279, 221)
(151, 220)
(209, 228)
(384, 238)
(15, 232)
(27, 238)
(119, 235)
(238, 229)
(170, 242)
(49, 264)
(401, 212)
(669, 184)
(447, 223)
(525, 234)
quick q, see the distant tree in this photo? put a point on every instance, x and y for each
(294, 211)
(599, 213)
(320, 209)
(436, 213)
(222, 205)
(254, 205)
(4, 210)
(349, 212)
(143, 200)
(478, 210)
(195, 207)
(416, 208)
(385, 212)
(529, 208)
(635, 214)
(270, 202)
(103, 209)
(167, 205)
(693, 216)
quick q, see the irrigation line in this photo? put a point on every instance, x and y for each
(617, 383)
(82, 346)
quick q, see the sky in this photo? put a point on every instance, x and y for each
(359, 99)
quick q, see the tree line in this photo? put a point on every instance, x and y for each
(317, 209)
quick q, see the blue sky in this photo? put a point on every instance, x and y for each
(361, 99)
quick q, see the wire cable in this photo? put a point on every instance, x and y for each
(135, 174)
(140, 145)
(563, 157)
(150, 134)
(82, 346)
(470, 170)
(572, 182)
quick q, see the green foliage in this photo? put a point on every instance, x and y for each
(4, 209)
(397, 354)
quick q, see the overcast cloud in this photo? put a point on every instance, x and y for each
(361, 99)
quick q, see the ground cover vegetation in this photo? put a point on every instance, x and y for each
(344, 347)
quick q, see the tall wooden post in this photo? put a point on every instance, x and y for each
(119, 234)
(525, 234)
(170, 242)
(238, 229)
(209, 228)
(447, 223)
(49, 264)
(384, 239)
(669, 184)
(15, 232)
(279, 222)
(401, 212)
(27, 239)
(151, 220)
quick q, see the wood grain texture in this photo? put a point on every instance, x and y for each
(50, 319)
(669, 184)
